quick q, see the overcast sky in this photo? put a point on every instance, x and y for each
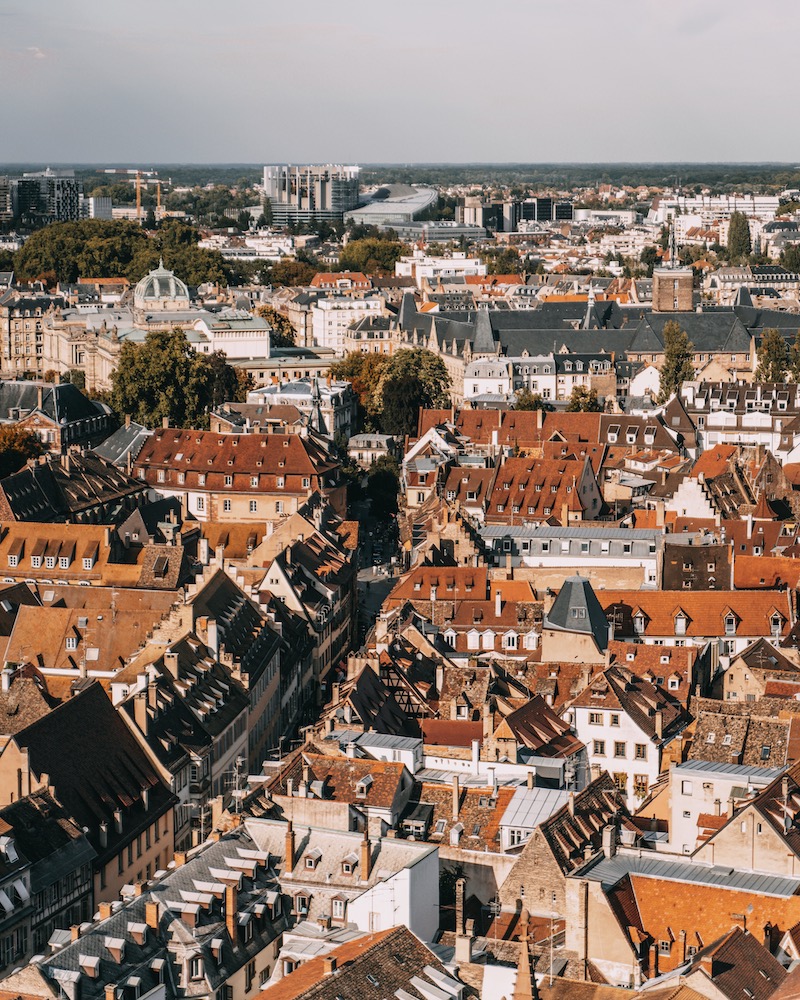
(262, 81)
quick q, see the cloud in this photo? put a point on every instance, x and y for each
(36, 52)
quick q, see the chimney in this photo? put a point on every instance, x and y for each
(498, 604)
(660, 511)
(39, 395)
(118, 820)
(328, 965)
(151, 915)
(213, 637)
(111, 991)
(288, 863)
(230, 911)
(456, 797)
(476, 756)
(104, 909)
(717, 807)
(140, 713)
(180, 858)
(171, 663)
(5, 679)
(366, 857)
(749, 526)
(127, 420)
(350, 750)
(439, 678)
(290, 787)
(165, 422)
(531, 779)
(461, 893)
(571, 803)
(74, 932)
(104, 834)
(658, 722)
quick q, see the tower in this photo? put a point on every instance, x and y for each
(672, 283)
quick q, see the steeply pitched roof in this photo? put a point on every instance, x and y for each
(577, 609)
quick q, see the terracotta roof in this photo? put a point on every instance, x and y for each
(714, 461)
(771, 572)
(446, 732)
(341, 777)
(665, 664)
(372, 967)
(705, 611)
(534, 489)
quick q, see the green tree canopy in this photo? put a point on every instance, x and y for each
(527, 400)
(790, 258)
(739, 245)
(371, 256)
(165, 377)
(282, 329)
(291, 272)
(773, 357)
(677, 367)
(583, 400)
(116, 249)
(17, 445)
(364, 371)
(383, 485)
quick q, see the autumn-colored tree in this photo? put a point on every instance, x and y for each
(17, 445)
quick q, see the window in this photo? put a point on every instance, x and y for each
(620, 749)
(196, 967)
(664, 947)
(279, 482)
(517, 837)
(254, 480)
(338, 909)
(599, 748)
(250, 975)
(595, 718)
(36, 562)
(680, 625)
(306, 483)
(72, 642)
(640, 751)
(614, 719)
(279, 506)
(253, 506)
(621, 781)
(730, 624)
(201, 503)
(160, 475)
(201, 479)
(13, 560)
(229, 480)
(686, 788)
(226, 505)
(181, 478)
(640, 785)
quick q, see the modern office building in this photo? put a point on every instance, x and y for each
(47, 196)
(302, 193)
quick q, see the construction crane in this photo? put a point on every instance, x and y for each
(137, 174)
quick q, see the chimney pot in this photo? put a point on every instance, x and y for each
(366, 857)
(329, 965)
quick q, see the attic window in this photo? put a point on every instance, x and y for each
(363, 786)
(312, 857)
(711, 738)
(727, 739)
(766, 750)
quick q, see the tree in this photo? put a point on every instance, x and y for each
(739, 245)
(383, 485)
(17, 445)
(649, 258)
(677, 366)
(527, 400)
(584, 400)
(150, 219)
(268, 214)
(291, 272)
(773, 358)
(371, 256)
(794, 359)
(282, 330)
(165, 377)
(790, 258)
(364, 372)
(401, 400)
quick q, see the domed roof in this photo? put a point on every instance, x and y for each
(158, 285)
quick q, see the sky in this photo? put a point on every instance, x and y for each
(371, 81)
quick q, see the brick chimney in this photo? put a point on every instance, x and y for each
(111, 991)
(230, 911)
(104, 909)
(366, 857)
(74, 932)
(289, 861)
(328, 965)
(456, 797)
(151, 915)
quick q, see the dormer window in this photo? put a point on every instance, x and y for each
(72, 642)
(363, 786)
(639, 624)
(312, 858)
(680, 624)
(201, 479)
(776, 623)
(349, 864)
(730, 624)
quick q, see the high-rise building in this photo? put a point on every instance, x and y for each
(6, 214)
(302, 193)
(47, 196)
